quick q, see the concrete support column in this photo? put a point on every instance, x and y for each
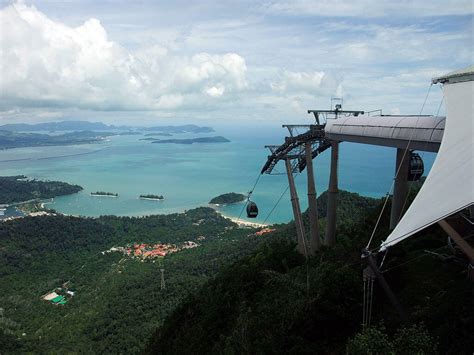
(400, 188)
(330, 237)
(295, 203)
(312, 201)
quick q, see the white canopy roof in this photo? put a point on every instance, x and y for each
(424, 132)
(449, 186)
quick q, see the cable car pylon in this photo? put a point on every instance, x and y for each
(297, 152)
(312, 200)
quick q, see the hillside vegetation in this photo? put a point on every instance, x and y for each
(232, 291)
(118, 301)
(230, 197)
(19, 188)
(274, 301)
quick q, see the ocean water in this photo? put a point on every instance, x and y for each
(189, 176)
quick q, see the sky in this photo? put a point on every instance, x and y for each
(225, 62)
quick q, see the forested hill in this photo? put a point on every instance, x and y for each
(227, 289)
(20, 188)
(275, 302)
(118, 300)
(230, 197)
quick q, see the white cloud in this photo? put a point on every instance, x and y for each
(299, 81)
(370, 8)
(45, 63)
(215, 91)
(170, 101)
(148, 59)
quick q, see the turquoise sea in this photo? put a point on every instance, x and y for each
(190, 175)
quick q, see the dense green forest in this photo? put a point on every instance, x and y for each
(231, 197)
(20, 188)
(119, 301)
(276, 301)
(235, 292)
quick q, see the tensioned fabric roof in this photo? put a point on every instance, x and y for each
(449, 187)
(423, 132)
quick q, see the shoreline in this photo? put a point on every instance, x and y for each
(242, 222)
(151, 199)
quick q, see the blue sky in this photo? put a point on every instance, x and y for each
(225, 61)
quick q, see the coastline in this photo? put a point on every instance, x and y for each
(242, 222)
(151, 199)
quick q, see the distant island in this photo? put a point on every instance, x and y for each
(188, 128)
(231, 197)
(162, 134)
(105, 194)
(56, 126)
(10, 139)
(19, 135)
(99, 126)
(127, 133)
(217, 139)
(151, 197)
(20, 188)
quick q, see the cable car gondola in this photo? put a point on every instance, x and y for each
(252, 209)
(416, 167)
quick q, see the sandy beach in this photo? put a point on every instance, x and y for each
(243, 223)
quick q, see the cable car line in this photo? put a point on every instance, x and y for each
(248, 196)
(276, 204)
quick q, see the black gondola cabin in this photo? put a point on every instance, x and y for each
(252, 209)
(416, 168)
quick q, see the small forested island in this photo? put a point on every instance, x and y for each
(151, 197)
(20, 188)
(216, 139)
(231, 197)
(106, 194)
